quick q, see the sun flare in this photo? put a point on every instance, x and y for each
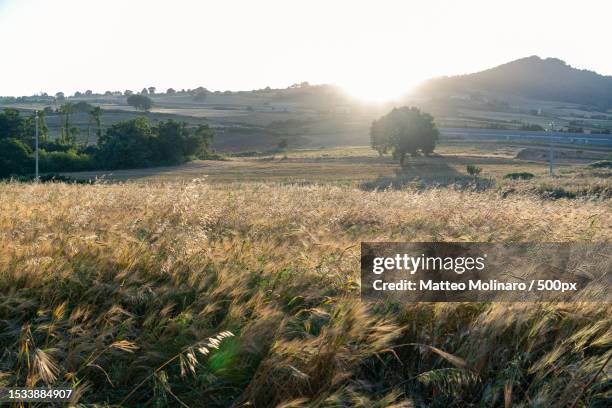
(378, 90)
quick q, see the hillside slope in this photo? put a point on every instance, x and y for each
(532, 77)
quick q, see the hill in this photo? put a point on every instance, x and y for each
(548, 79)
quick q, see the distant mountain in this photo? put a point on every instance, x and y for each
(548, 79)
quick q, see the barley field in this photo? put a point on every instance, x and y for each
(247, 294)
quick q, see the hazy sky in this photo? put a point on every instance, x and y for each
(373, 49)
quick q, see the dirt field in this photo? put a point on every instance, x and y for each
(343, 165)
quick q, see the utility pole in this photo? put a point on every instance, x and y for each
(550, 151)
(37, 145)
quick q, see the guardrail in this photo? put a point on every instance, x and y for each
(509, 135)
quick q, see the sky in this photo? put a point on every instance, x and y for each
(374, 50)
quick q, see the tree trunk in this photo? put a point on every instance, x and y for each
(402, 159)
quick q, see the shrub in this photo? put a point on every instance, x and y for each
(141, 102)
(127, 144)
(556, 193)
(135, 143)
(55, 146)
(473, 170)
(65, 161)
(15, 158)
(593, 191)
(532, 127)
(519, 176)
(601, 164)
(51, 178)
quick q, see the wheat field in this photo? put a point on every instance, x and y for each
(214, 295)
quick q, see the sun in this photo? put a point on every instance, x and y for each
(379, 90)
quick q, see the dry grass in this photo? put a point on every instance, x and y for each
(344, 167)
(111, 287)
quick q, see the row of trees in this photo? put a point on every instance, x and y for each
(127, 144)
(151, 90)
(198, 92)
(135, 143)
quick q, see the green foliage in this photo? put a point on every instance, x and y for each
(13, 125)
(552, 192)
(50, 178)
(140, 101)
(532, 127)
(473, 170)
(17, 144)
(602, 164)
(43, 129)
(54, 146)
(135, 143)
(176, 143)
(557, 193)
(283, 144)
(15, 158)
(575, 129)
(95, 114)
(519, 176)
(127, 144)
(200, 96)
(404, 131)
(67, 132)
(82, 107)
(69, 160)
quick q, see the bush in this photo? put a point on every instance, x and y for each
(532, 127)
(595, 191)
(473, 170)
(65, 161)
(519, 176)
(176, 143)
(127, 144)
(602, 164)
(141, 102)
(55, 146)
(556, 193)
(15, 158)
(135, 143)
(51, 178)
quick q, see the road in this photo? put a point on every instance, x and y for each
(515, 135)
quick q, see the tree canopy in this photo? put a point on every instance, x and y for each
(15, 157)
(135, 143)
(141, 102)
(404, 131)
(127, 144)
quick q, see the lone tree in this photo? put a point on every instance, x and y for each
(141, 102)
(473, 171)
(404, 131)
(95, 114)
(200, 96)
